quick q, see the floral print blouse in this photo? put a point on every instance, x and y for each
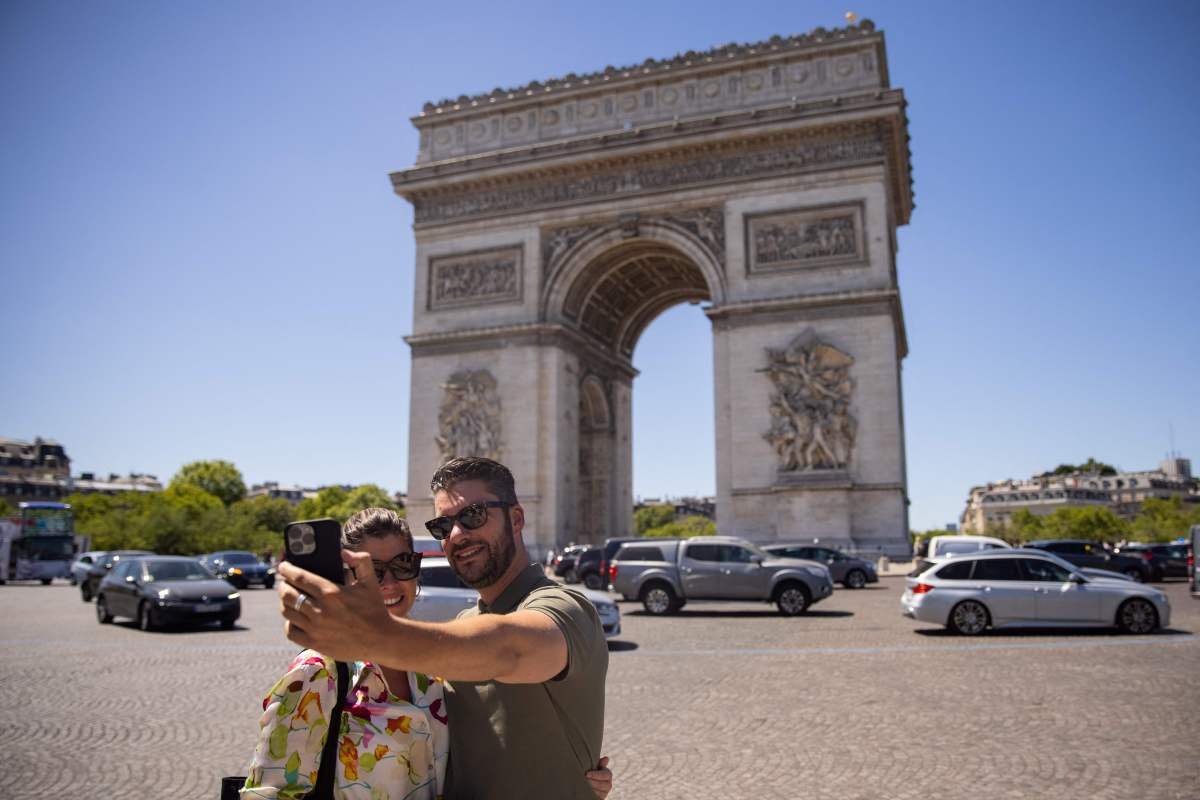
(389, 749)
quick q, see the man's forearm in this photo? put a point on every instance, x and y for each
(490, 647)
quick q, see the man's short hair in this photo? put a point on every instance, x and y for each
(374, 523)
(495, 476)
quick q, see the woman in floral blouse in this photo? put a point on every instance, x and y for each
(394, 743)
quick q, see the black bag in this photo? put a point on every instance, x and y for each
(231, 785)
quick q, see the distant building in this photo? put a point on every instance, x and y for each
(40, 471)
(293, 494)
(1122, 493)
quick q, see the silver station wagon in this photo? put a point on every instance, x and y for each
(1028, 588)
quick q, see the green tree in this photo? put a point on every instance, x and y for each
(1095, 523)
(336, 502)
(690, 525)
(219, 478)
(1163, 520)
(652, 516)
(6, 510)
(1025, 526)
(1091, 465)
(323, 504)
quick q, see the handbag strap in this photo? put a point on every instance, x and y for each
(328, 769)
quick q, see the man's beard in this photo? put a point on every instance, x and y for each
(499, 559)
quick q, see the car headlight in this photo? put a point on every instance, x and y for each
(163, 594)
(234, 596)
(234, 571)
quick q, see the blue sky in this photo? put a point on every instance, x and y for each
(202, 258)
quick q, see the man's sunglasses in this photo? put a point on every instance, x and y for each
(471, 517)
(403, 567)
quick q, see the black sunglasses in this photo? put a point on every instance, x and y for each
(471, 517)
(403, 567)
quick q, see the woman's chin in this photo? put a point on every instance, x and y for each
(398, 609)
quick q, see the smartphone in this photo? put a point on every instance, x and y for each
(315, 545)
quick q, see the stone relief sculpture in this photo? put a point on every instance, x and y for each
(469, 417)
(811, 425)
(825, 238)
(475, 278)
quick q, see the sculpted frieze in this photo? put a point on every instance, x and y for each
(469, 416)
(699, 165)
(487, 276)
(812, 428)
(804, 238)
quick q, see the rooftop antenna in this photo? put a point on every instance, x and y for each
(1171, 439)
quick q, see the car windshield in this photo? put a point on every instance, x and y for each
(240, 558)
(177, 571)
(113, 558)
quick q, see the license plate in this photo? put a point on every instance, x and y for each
(203, 607)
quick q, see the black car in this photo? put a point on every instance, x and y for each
(564, 562)
(240, 568)
(1165, 560)
(1083, 553)
(96, 572)
(166, 590)
(589, 570)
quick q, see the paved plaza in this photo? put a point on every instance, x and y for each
(723, 701)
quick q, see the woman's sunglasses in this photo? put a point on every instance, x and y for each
(403, 567)
(471, 517)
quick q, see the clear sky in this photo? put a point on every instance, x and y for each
(202, 257)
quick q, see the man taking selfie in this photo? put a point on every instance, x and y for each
(525, 668)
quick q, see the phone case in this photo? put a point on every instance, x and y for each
(315, 545)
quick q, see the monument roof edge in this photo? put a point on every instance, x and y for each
(816, 39)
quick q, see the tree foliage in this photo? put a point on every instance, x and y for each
(652, 516)
(336, 502)
(6, 509)
(1089, 466)
(221, 479)
(690, 525)
(1164, 520)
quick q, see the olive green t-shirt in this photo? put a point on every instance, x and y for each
(511, 740)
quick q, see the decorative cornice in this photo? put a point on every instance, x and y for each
(616, 76)
(691, 165)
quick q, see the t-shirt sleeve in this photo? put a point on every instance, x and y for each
(292, 730)
(576, 617)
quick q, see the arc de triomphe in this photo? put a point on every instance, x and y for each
(554, 222)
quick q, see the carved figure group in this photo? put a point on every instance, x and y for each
(469, 417)
(811, 425)
(475, 280)
(802, 240)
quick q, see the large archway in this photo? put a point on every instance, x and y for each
(555, 222)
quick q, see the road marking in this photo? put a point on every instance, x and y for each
(913, 648)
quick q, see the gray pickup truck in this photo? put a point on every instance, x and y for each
(667, 573)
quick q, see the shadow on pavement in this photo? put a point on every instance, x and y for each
(1040, 633)
(621, 647)
(765, 613)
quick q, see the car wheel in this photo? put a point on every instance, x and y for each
(46, 581)
(592, 581)
(792, 599)
(855, 579)
(968, 618)
(572, 576)
(268, 582)
(85, 593)
(658, 599)
(102, 615)
(74, 580)
(146, 617)
(227, 624)
(1137, 616)
(1134, 575)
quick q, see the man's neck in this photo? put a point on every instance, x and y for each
(489, 594)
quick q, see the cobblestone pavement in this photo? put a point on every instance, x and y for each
(723, 701)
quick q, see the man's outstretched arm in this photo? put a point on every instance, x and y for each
(351, 623)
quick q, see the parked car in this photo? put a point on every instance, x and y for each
(1082, 553)
(443, 596)
(1193, 573)
(166, 590)
(936, 549)
(587, 568)
(564, 562)
(611, 546)
(851, 572)
(81, 564)
(100, 567)
(1028, 588)
(240, 568)
(1165, 560)
(665, 574)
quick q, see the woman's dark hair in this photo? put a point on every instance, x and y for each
(374, 523)
(495, 476)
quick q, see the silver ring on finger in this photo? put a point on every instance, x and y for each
(300, 601)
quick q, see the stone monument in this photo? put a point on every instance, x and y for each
(555, 221)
